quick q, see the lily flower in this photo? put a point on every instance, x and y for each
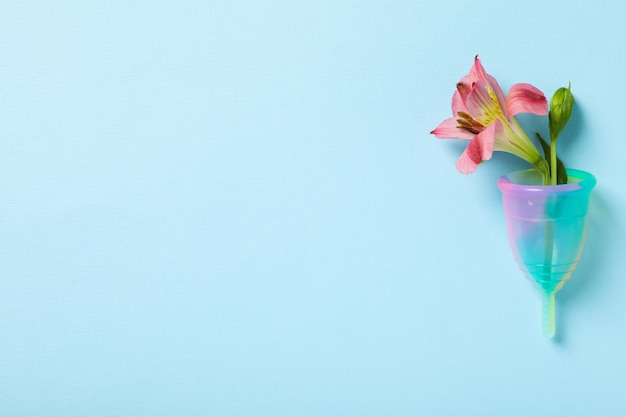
(484, 117)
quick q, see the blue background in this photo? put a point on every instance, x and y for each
(236, 209)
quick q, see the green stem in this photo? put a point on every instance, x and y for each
(553, 165)
(541, 165)
(529, 151)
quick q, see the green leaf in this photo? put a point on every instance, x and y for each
(545, 147)
(561, 172)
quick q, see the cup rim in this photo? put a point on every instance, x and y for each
(586, 181)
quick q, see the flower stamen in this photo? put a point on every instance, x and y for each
(467, 122)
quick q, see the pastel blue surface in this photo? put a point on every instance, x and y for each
(235, 209)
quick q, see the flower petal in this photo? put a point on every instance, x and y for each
(448, 130)
(478, 73)
(464, 86)
(525, 98)
(479, 149)
(458, 103)
(495, 87)
(480, 104)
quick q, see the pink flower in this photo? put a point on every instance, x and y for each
(483, 116)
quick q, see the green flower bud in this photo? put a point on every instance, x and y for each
(561, 106)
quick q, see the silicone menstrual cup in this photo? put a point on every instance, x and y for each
(547, 227)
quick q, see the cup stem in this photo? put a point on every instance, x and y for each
(547, 316)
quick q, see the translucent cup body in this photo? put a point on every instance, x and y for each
(547, 227)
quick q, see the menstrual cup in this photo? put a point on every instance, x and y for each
(547, 226)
